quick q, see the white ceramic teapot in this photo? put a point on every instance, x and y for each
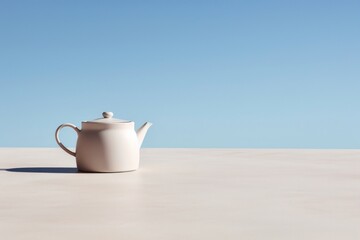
(106, 144)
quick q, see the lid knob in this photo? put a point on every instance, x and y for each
(107, 114)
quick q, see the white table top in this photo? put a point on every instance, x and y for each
(183, 194)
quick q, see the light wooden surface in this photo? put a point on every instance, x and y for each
(183, 194)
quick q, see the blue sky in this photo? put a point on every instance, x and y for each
(248, 74)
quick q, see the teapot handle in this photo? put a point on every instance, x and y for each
(58, 140)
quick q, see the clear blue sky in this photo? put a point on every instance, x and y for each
(257, 74)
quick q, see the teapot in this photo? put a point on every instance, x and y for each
(106, 144)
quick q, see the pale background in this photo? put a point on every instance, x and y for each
(260, 74)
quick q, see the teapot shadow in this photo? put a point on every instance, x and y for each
(44, 170)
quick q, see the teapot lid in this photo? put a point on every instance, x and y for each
(108, 118)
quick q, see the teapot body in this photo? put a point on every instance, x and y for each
(107, 148)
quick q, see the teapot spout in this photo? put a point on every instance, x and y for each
(141, 132)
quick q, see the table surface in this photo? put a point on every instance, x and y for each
(183, 194)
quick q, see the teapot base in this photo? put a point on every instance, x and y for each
(87, 171)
